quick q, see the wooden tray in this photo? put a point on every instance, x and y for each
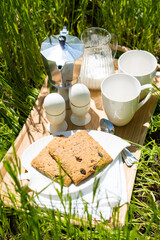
(35, 128)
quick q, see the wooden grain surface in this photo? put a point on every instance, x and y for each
(35, 128)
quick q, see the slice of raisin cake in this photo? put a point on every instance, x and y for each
(80, 156)
(46, 165)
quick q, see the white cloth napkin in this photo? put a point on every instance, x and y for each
(111, 192)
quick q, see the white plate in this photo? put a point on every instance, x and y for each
(40, 183)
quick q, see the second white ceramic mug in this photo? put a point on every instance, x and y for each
(139, 63)
(120, 97)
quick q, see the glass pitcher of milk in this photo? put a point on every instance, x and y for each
(100, 50)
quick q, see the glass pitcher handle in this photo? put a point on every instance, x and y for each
(114, 44)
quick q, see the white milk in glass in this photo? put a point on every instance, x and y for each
(95, 67)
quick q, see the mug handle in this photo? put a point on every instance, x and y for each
(143, 87)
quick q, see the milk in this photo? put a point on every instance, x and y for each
(95, 68)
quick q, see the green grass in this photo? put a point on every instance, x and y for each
(24, 26)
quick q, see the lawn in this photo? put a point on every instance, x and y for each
(24, 26)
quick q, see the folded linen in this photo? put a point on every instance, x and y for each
(110, 192)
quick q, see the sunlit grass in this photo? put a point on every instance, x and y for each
(24, 25)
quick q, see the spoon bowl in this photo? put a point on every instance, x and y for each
(106, 126)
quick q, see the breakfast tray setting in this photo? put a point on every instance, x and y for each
(35, 129)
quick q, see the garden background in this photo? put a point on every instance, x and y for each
(24, 25)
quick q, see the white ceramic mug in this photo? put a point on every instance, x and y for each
(120, 97)
(139, 63)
